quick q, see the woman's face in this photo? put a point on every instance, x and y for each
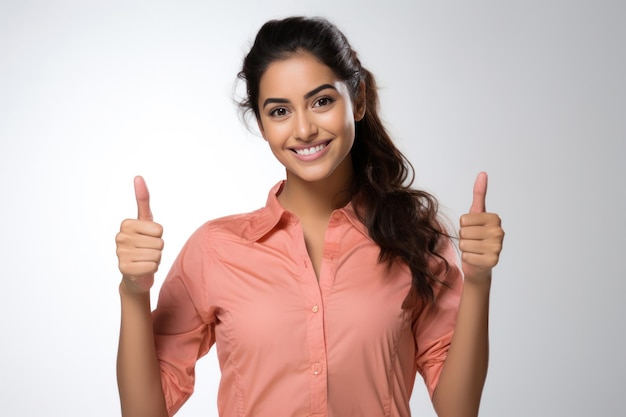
(307, 116)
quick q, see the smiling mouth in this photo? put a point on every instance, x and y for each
(311, 150)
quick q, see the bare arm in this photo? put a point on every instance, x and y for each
(463, 375)
(139, 248)
(138, 374)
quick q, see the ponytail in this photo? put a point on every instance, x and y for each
(400, 219)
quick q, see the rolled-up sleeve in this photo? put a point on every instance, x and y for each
(434, 327)
(183, 330)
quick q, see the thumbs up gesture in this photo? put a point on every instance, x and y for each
(139, 244)
(480, 236)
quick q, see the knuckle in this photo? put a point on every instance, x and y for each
(121, 238)
(121, 252)
(127, 224)
(123, 267)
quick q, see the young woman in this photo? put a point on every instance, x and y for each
(328, 300)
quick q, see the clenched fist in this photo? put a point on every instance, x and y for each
(139, 244)
(480, 236)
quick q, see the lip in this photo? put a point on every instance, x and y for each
(312, 156)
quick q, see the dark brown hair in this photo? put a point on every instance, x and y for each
(403, 221)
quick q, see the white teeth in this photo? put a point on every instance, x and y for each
(310, 151)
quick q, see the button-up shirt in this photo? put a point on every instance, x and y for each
(290, 344)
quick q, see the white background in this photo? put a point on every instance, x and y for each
(93, 93)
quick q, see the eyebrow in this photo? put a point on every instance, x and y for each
(306, 96)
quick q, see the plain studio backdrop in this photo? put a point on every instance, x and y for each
(94, 93)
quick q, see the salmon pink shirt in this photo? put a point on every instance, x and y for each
(290, 345)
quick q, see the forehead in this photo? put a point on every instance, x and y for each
(295, 76)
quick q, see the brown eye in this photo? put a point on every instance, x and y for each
(323, 101)
(278, 112)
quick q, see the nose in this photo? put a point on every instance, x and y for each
(305, 128)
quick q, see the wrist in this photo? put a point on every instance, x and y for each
(129, 288)
(478, 282)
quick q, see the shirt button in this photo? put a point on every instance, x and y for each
(336, 216)
(315, 309)
(316, 369)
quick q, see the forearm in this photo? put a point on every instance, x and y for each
(463, 376)
(138, 374)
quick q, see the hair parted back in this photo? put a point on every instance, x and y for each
(401, 220)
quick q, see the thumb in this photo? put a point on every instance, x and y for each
(480, 193)
(143, 199)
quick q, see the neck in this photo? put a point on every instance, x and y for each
(316, 200)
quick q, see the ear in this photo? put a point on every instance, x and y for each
(359, 103)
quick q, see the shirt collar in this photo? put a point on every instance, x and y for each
(264, 220)
(353, 218)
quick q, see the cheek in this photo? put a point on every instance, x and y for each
(340, 122)
(347, 127)
(275, 134)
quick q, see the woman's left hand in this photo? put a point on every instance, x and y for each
(480, 236)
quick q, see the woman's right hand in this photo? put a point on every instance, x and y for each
(139, 245)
